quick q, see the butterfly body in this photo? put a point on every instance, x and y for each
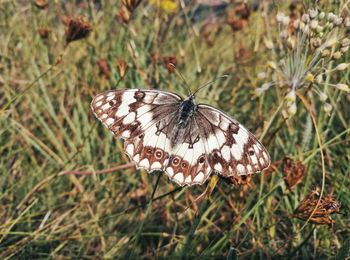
(188, 141)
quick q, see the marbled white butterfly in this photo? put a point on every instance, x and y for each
(161, 131)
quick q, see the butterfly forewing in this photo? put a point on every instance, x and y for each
(150, 123)
(127, 112)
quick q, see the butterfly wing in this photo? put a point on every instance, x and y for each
(136, 116)
(231, 149)
(187, 163)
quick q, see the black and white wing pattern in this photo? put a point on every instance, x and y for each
(231, 148)
(161, 131)
(145, 119)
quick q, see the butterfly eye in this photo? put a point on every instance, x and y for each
(251, 151)
(141, 136)
(201, 160)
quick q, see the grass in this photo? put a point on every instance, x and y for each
(110, 210)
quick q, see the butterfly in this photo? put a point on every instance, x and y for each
(188, 141)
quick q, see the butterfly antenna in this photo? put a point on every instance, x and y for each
(211, 82)
(183, 79)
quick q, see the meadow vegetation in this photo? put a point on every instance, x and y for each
(67, 189)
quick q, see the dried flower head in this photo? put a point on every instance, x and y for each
(244, 183)
(41, 4)
(327, 206)
(131, 4)
(209, 31)
(156, 58)
(43, 32)
(307, 49)
(123, 15)
(77, 28)
(244, 180)
(293, 172)
(235, 21)
(122, 67)
(170, 62)
(243, 10)
(104, 68)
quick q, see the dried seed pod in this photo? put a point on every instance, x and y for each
(345, 42)
(43, 32)
(322, 215)
(313, 13)
(244, 180)
(104, 68)
(293, 172)
(131, 4)
(123, 15)
(169, 61)
(122, 67)
(41, 4)
(77, 28)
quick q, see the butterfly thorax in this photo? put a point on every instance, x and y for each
(186, 111)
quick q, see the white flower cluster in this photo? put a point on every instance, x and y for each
(308, 50)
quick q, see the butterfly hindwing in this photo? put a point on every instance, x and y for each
(231, 148)
(188, 164)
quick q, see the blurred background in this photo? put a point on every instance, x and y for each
(67, 190)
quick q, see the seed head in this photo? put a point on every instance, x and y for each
(123, 15)
(169, 61)
(313, 13)
(327, 108)
(122, 67)
(322, 215)
(323, 96)
(293, 172)
(41, 4)
(342, 87)
(77, 28)
(342, 66)
(104, 68)
(131, 4)
(43, 32)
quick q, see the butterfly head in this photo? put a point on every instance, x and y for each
(191, 98)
